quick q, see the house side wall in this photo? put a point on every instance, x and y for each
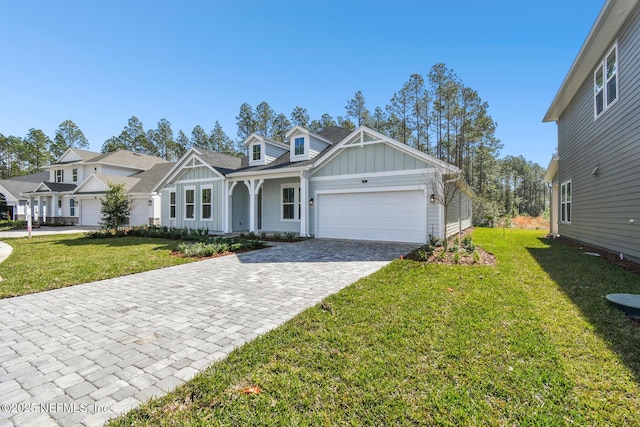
(602, 205)
(369, 159)
(458, 213)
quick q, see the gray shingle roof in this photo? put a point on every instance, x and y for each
(128, 159)
(16, 188)
(148, 179)
(59, 186)
(34, 177)
(223, 163)
(334, 134)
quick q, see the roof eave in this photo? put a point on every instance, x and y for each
(612, 16)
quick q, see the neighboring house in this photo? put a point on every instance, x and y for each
(332, 184)
(595, 175)
(13, 188)
(76, 183)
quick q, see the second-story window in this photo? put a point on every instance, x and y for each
(605, 82)
(256, 152)
(74, 174)
(60, 175)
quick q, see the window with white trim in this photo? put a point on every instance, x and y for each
(190, 203)
(59, 175)
(256, 152)
(605, 82)
(565, 202)
(74, 174)
(206, 203)
(172, 205)
(72, 207)
(290, 202)
(298, 146)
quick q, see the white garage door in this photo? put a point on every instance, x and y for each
(90, 212)
(394, 216)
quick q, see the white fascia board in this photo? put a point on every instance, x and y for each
(552, 170)
(271, 174)
(612, 16)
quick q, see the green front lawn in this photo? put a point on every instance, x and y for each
(55, 261)
(530, 341)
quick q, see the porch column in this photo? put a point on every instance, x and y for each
(227, 206)
(304, 206)
(54, 207)
(253, 186)
(40, 210)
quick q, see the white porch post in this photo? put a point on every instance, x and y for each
(254, 187)
(54, 206)
(227, 206)
(304, 205)
(40, 210)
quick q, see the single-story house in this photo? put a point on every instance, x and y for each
(336, 183)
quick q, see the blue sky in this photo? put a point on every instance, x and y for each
(194, 62)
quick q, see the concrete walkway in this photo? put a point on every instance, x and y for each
(83, 354)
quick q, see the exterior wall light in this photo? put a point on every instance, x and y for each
(311, 201)
(432, 198)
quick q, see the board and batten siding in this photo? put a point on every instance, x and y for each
(603, 204)
(369, 159)
(196, 178)
(458, 213)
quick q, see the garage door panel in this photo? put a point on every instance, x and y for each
(385, 216)
(90, 212)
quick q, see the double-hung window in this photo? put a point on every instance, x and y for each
(256, 152)
(205, 203)
(59, 175)
(605, 82)
(74, 175)
(298, 146)
(190, 203)
(291, 202)
(172, 205)
(565, 202)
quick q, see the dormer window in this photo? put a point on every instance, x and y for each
(256, 152)
(298, 146)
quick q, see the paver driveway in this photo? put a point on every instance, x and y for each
(83, 354)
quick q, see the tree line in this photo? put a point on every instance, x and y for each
(435, 113)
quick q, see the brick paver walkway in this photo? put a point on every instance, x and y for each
(83, 354)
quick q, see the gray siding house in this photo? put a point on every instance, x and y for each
(336, 183)
(595, 175)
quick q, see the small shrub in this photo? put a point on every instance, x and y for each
(263, 235)
(252, 235)
(277, 236)
(442, 255)
(476, 257)
(456, 257)
(289, 236)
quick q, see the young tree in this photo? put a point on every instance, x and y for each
(116, 207)
(445, 190)
(68, 135)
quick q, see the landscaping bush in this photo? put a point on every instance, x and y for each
(8, 224)
(217, 245)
